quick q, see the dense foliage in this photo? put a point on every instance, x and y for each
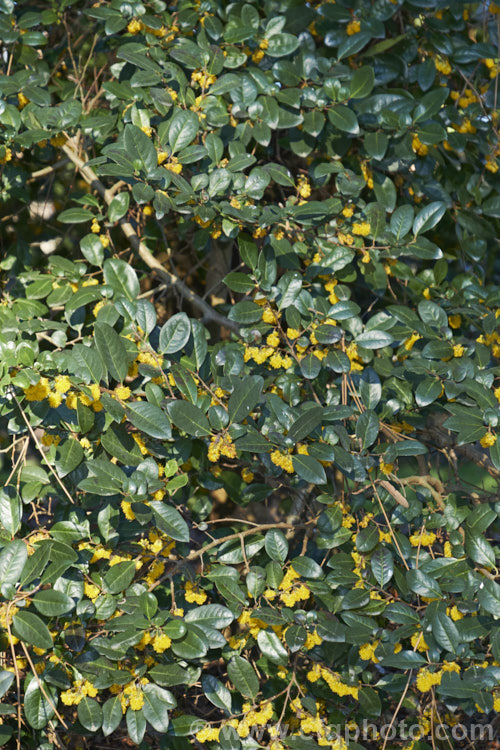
(249, 374)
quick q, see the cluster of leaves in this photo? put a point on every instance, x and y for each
(247, 529)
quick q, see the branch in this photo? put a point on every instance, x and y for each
(128, 230)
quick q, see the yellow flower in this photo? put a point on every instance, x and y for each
(348, 211)
(418, 642)
(62, 383)
(54, 399)
(411, 341)
(247, 475)
(313, 639)
(367, 652)
(454, 321)
(273, 339)
(353, 27)
(283, 460)
(6, 157)
(161, 643)
(386, 468)
(488, 439)
(193, 595)
(426, 680)
(122, 392)
(424, 538)
(362, 228)
(303, 187)
(134, 27)
(458, 350)
(126, 507)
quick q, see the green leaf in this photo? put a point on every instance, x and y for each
(75, 216)
(189, 418)
(119, 577)
(216, 692)
(118, 206)
(31, 629)
(140, 149)
(157, 702)
(11, 509)
(244, 398)
(69, 455)
(280, 45)
(52, 603)
(428, 391)
(149, 419)
(174, 335)
(362, 83)
(310, 366)
(243, 677)
(170, 521)
(111, 715)
(90, 714)
(122, 278)
(428, 217)
(367, 428)
(92, 249)
(6, 680)
(445, 632)
(210, 616)
(39, 705)
(136, 725)
(479, 549)
(309, 469)
(182, 130)
(276, 545)
(382, 566)
(112, 351)
(13, 558)
(374, 339)
(271, 647)
(344, 119)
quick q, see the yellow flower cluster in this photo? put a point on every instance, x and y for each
(353, 27)
(418, 642)
(313, 639)
(39, 391)
(408, 344)
(283, 460)
(426, 680)
(303, 187)
(247, 475)
(419, 148)
(333, 680)
(193, 595)
(269, 316)
(132, 696)
(202, 78)
(161, 642)
(221, 445)
(258, 354)
(208, 734)
(367, 652)
(488, 439)
(173, 165)
(76, 694)
(367, 174)
(296, 594)
(254, 717)
(6, 157)
(442, 65)
(352, 352)
(362, 228)
(424, 538)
